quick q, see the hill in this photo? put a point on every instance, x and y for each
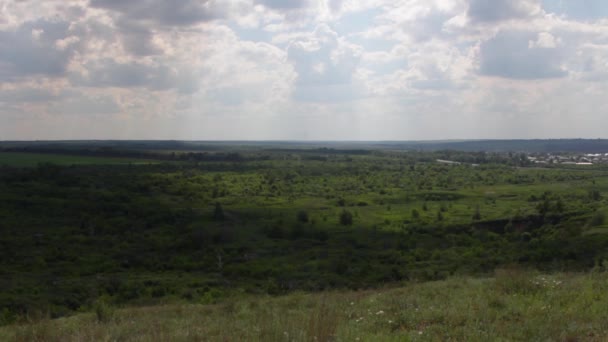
(120, 147)
(514, 305)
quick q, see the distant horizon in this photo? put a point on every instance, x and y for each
(297, 140)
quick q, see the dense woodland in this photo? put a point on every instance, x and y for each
(199, 226)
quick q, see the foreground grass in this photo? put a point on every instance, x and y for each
(514, 305)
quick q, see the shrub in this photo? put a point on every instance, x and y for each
(218, 212)
(597, 219)
(595, 195)
(477, 214)
(346, 218)
(302, 216)
(415, 214)
(104, 311)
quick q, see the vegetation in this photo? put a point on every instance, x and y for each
(16, 159)
(209, 226)
(514, 305)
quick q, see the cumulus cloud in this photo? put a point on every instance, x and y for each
(515, 54)
(137, 39)
(27, 95)
(325, 66)
(499, 10)
(310, 69)
(283, 5)
(169, 13)
(40, 47)
(109, 73)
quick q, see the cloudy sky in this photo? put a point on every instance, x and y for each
(303, 69)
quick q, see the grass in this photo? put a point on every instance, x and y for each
(33, 159)
(514, 305)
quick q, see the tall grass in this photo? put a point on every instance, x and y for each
(515, 305)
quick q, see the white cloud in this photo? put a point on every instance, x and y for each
(306, 69)
(545, 40)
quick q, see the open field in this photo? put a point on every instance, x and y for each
(514, 305)
(17, 159)
(209, 227)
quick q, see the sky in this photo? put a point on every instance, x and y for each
(303, 69)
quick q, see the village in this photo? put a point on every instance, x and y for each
(569, 159)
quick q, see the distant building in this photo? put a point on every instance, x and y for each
(448, 162)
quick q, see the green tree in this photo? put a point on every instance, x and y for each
(559, 206)
(218, 212)
(415, 214)
(346, 218)
(595, 195)
(477, 214)
(302, 216)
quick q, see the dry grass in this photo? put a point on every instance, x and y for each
(513, 306)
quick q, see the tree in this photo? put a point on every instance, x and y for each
(595, 195)
(218, 212)
(559, 205)
(346, 218)
(476, 214)
(302, 216)
(415, 214)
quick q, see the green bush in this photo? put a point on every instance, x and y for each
(104, 311)
(346, 218)
(597, 219)
(302, 216)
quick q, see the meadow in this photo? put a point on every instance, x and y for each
(513, 305)
(205, 228)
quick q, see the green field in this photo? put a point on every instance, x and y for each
(514, 305)
(18, 159)
(209, 227)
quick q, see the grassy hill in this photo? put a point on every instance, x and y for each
(513, 305)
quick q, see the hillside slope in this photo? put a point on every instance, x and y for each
(514, 306)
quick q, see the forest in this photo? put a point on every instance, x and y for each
(138, 226)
